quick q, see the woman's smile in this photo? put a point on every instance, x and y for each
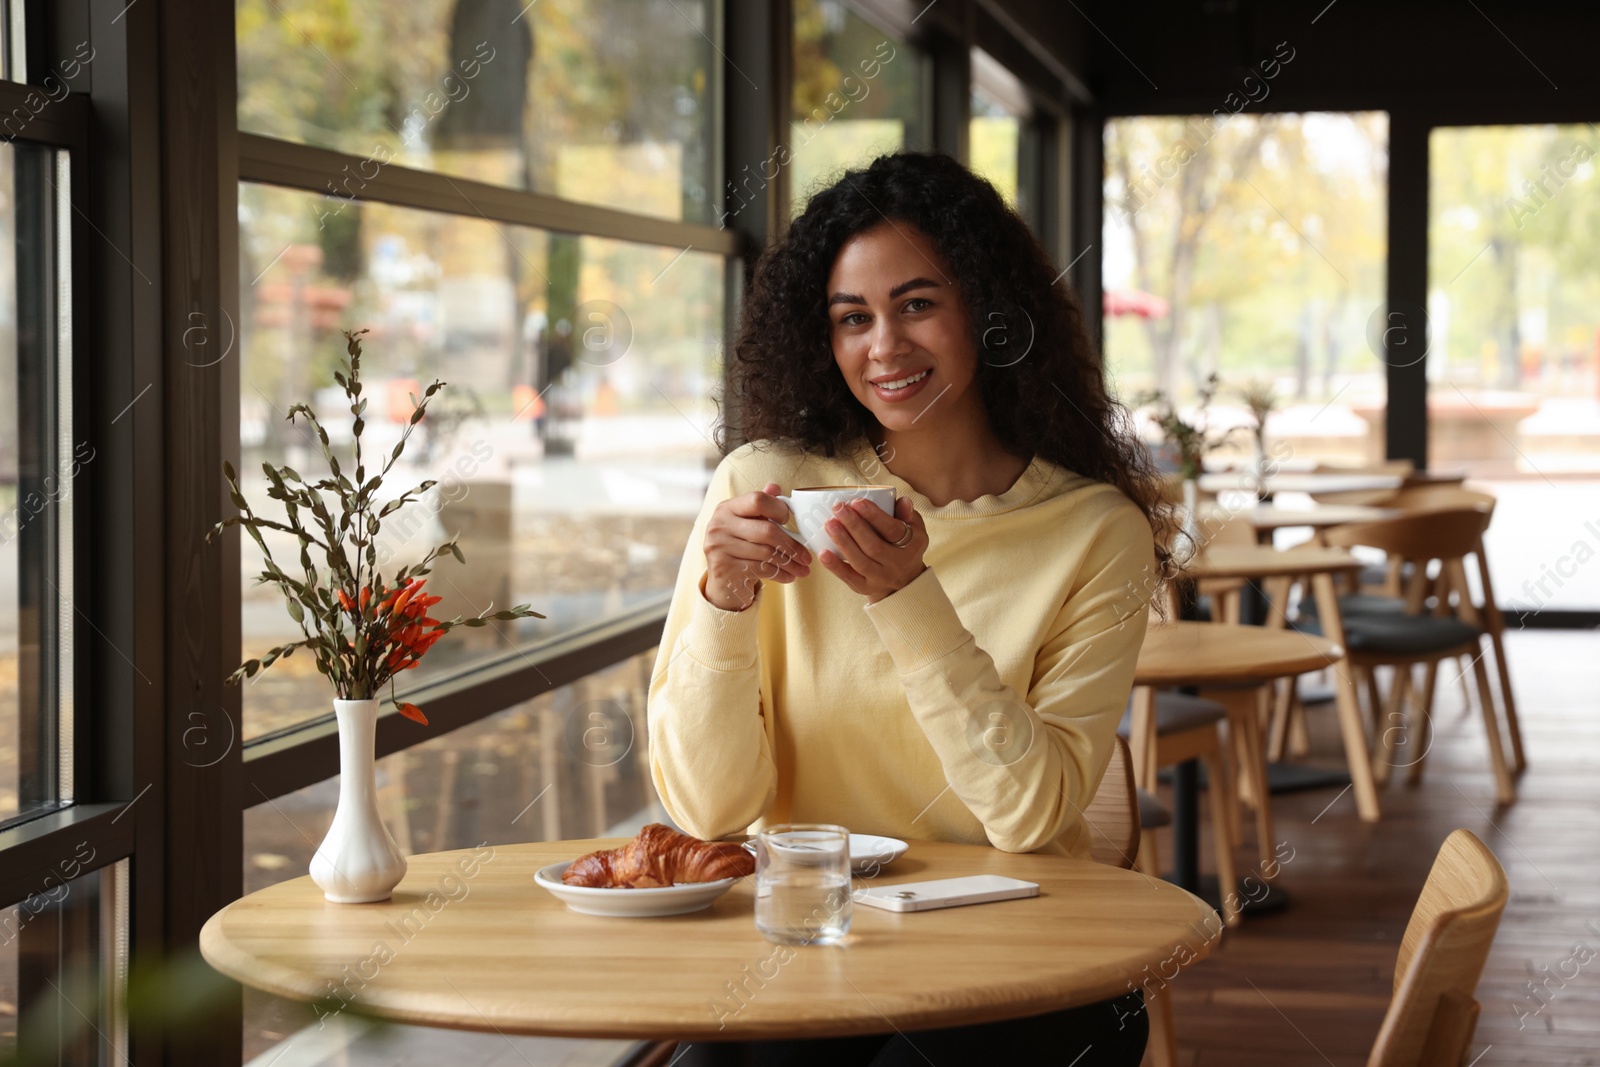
(896, 390)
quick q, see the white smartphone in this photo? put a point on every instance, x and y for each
(946, 892)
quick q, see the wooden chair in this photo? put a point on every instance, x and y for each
(1433, 1013)
(1438, 496)
(1410, 638)
(1112, 816)
(1114, 828)
(1168, 728)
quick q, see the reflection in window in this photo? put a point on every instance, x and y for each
(571, 445)
(64, 965)
(603, 101)
(1514, 354)
(858, 92)
(1253, 247)
(572, 763)
(39, 464)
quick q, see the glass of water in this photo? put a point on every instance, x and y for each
(803, 883)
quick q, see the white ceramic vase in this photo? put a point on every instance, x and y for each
(1188, 541)
(1258, 468)
(358, 862)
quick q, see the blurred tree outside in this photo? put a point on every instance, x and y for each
(840, 117)
(1514, 242)
(611, 98)
(1264, 238)
(993, 140)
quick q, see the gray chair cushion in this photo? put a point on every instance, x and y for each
(1359, 604)
(1399, 635)
(1152, 813)
(1175, 713)
(1375, 574)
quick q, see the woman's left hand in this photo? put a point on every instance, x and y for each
(868, 560)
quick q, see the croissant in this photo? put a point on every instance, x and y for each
(660, 856)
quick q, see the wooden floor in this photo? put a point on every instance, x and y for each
(1310, 985)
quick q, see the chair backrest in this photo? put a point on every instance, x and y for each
(1446, 497)
(1440, 498)
(1112, 817)
(1432, 1014)
(1445, 534)
(1225, 528)
(1434, 477)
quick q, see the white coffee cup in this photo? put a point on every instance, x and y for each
(811, 508)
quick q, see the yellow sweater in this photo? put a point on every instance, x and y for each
(977, 704)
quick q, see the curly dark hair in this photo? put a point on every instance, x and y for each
(1051, 401)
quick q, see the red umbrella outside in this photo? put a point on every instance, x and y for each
(1116, 302)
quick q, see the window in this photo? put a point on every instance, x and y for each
(859, 91)
(999, 120)
(600, 101)
(571, 445)
(64, 966)
(1253, 247)
(63, 903)
(39, 459)
(1513, 357)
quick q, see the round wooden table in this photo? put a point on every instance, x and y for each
(1263, 561)
(505, 955)
(1264, 519)
(1228, 663)
(1317, 565)
(1298, 482)
(1208, 654)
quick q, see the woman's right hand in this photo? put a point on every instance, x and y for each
(745, 543)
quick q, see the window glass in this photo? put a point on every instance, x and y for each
(1253, 247)
(604, 101)
(38, 464)
(999, 114)
(1513, 347)
(572, 763)
(858, 92)
(64, 965)
(572, 444)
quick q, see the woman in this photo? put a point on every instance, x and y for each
(959, 671)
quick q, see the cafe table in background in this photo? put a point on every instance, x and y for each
(1316, 566)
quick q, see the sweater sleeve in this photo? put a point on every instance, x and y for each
(1026, 765)
(710, 749)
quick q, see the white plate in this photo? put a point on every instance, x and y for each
(631, 903)
(869, 853)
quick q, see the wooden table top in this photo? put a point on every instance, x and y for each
(1272, 517)
(1264, 561)
(1299, 482)
(506, 955)
(1219, 653)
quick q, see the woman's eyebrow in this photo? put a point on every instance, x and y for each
(914, 283)
(894, 294)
